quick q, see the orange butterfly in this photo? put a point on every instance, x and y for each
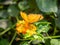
(31, 18)
(25, 26)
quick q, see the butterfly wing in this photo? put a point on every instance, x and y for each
(34, 17)
(24, 16)
(31, 18)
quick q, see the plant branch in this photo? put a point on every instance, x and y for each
(7, 30)
(13, 38)
(51, 37)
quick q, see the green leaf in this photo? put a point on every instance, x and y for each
(24, 43)
(47, 5)
(1, 6)
(23, 5)
(39, 44)
(42, 26)
(47, 42)
(3, 14)
(4, 42)
(38, 38)
(57, 20)
(13, 10)
(36, 42)
(55, 42)
(26, 35)
(7, 2)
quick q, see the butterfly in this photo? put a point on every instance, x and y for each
(31, 18)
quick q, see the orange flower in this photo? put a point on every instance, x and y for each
(26, 26)
(23, 27)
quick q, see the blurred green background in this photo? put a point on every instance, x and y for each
(10, 9)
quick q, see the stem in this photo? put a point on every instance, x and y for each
(54, 30)
(13, 38)
(30, 41)
(17, 18)
(6, 30)
(51, 37)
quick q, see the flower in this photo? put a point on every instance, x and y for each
(23, 27)
(26, 26)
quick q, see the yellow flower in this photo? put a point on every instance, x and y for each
(26, 26)
(23, 27)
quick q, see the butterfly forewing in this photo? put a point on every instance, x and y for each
(33, 18)
(24, 16)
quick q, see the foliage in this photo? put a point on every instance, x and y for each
(35, 30)
(47, 5)
(4, 42)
